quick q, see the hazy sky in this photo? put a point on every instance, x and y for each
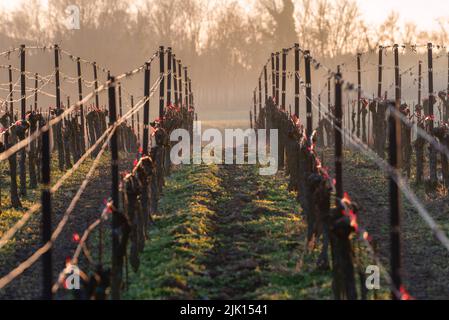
(423, 13)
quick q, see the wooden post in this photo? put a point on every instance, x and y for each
(161, 85)
(186, 93)
(175, 79)
(169, 76)
(80, 97)
(58, 110)
(146, 110)
(432, 153)
(359, 94)
(97, 103)
(296, 79)
(284, 68)
(277, 79)
(273, 77)
(308, 94)
(116, 272)
(35, 90)
(47, 268)
(22, 163)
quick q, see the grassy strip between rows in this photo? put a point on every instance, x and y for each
(9, 216)
(174, 261)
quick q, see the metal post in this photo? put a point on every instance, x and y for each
(359, 94)
(186, 88)
(119, 85)
(97, 103)
(344, 282)
(296, 79)
(146, 110)
(255, 102)
(138, 126)
(419, 81)
(116, 256)
(250, 119)
(132, 115)
(175, 79)
(22, 82)
(338, 140)
(308, 94)
(47, 267)
(277, 79)
(11, 95)
(35, 90)
(190, 93)
(446, 111)
(432, 153)
(265, 79)
(80, 97)
(379, 75)
(395, 199)
(58, 109)
(284, 68)
(161, 85)
(260, 95)
(180, 81)
(22, 163)
(273, 78)
(169, 61)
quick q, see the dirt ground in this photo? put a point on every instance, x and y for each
(29, 284)
(425, 260)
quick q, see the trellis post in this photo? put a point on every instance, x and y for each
(296, 79)
(146, 110)
(169, 75)
(58, 111)
(80, 98)
(117, 260)
(46, 217)
(22, 163)
(161, 85)
(432, 153)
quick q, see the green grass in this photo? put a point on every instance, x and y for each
(173, 264)
(172, 254)
(9, 215)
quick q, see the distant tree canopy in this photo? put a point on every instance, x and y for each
(226, 36)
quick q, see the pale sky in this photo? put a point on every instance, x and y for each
(424, 13)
